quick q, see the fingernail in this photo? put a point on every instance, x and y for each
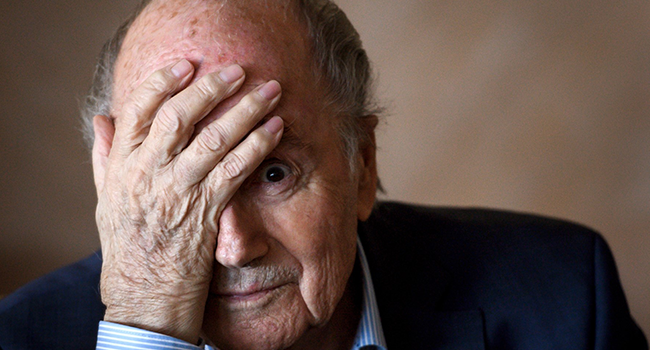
(182, 68)
(270, 90)
(274, 125)
(231, 73)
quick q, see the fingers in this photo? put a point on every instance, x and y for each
(174, 122)
(161, 127)
(228, 175)
(104, 132)
(215, 140)
(132, 126)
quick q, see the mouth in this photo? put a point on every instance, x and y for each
(251, 297)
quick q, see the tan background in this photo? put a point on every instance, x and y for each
(534, 105)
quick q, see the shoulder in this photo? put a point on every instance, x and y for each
(463, 235)
(429, 220)
(521, 272)
(63, 307)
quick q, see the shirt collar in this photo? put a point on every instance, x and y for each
(370, 332)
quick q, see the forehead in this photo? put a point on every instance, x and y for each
(264, 37)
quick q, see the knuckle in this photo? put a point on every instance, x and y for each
(255, 145)
(134, 119)
(160, 82)
(213, 139)
(133, 134)
(136, 113)
(137, 183)
(141, 101)
(210, 86)
(169, 117)
(248, 107)
(251, 104)
(232, 166)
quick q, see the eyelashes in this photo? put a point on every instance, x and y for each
(273, 177)
(274, 172)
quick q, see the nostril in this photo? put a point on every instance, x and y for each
(240, 253)
(238, 247)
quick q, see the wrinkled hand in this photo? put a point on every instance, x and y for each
(161, 191)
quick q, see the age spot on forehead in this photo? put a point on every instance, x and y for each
(212, 35)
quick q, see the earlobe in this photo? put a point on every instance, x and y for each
(367, 170)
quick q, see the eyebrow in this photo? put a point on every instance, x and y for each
(290, 138)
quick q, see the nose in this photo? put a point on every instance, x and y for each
(241, 238)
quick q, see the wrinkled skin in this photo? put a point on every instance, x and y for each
(214, 217)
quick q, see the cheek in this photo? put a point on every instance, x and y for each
(320, 233)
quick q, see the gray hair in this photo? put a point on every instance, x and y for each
(339, 60)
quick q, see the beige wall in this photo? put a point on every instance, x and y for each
(537, 106)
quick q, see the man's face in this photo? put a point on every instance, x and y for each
(287, 240)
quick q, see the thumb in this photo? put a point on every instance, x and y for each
(104, 131)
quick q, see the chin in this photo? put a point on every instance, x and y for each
(275, 320)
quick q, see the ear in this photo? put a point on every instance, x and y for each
(367, 169)
(104, 132)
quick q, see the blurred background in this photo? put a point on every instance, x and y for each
(535, 105)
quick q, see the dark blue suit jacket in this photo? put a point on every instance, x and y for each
(444, 279)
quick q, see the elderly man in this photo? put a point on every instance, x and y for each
(234, 161)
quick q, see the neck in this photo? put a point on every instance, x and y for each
(341, 330)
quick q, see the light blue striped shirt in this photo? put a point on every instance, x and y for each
(370, 335)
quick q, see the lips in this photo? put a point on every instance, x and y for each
(249, 298)
(245, 293)
(244, 284)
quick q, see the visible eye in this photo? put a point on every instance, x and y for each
(274, 172)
